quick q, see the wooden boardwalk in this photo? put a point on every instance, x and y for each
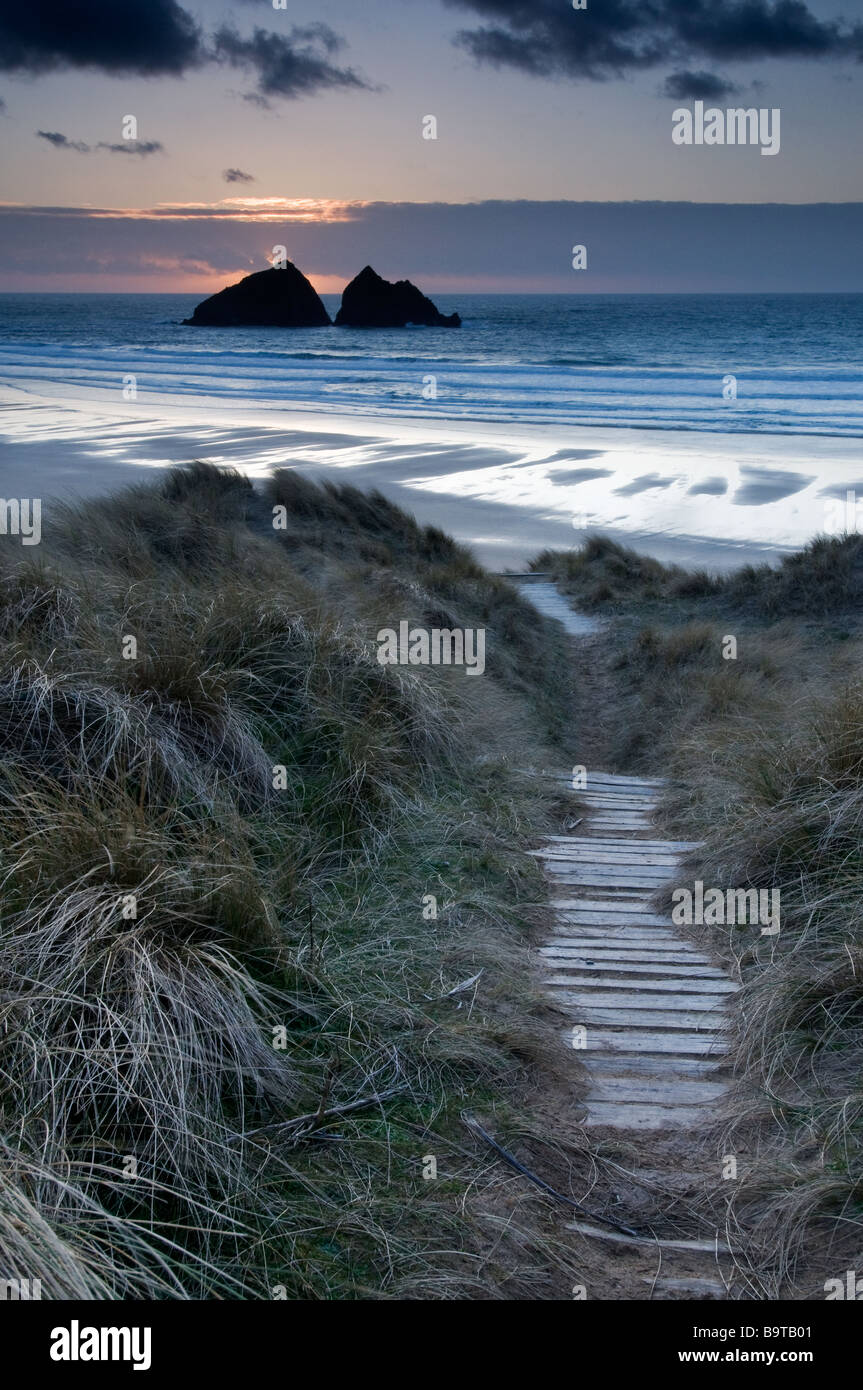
(646, 1007)
(646, 1010)
(545, 596)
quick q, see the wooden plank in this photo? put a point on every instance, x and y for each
(673, 1042)
(711, 1247)
(619, 817)
(593, 787)
(625, 787)
(617, 796)
(617, 800)
(591, 925)
(602, 854)
(623, 874)
(602, 818)
(665, 1064)
(611, 875)
(577, 977)
(611, 955)
(588, 965)
(610, 778)
(618, 792)
(621, 822)
(624, 953)
(643, 1000)
(622, 842)
(599, 853)
(685, 1020)
(577, 923)
(627, 1115)
(617, 804)
(627, 805)
(633, 906)
(614, 777)
(638, 885)
(603, 905)
(655, 1090)
(573, 921)
(647, 938)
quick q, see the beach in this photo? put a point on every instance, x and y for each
(706, 430)
(711, 499)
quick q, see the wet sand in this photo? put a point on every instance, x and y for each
(697, 499)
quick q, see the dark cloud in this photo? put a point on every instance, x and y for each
(674, 247)
(292, 65)
(548, 38)
(237, 176)
(150, 37)
(139, 147)
(697, 86)
(159, 38)
(751, 29)
(62, 142)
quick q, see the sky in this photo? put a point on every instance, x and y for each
(256, 126)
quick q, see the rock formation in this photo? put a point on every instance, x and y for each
(371, 302)
(280, 298)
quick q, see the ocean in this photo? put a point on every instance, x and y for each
(738, 364)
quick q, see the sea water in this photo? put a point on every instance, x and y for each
(742, 363)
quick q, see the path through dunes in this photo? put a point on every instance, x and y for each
(648, 1004)
(646, 1011)
(545, 596)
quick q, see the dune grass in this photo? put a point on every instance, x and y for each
(233, 1028)
(765, 752)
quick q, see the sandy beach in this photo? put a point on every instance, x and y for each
(695, 498)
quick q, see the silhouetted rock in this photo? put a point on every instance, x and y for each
(268, 299)
(371, 302)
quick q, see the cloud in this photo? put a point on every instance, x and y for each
(488, 247)
(139, 147)
(547, 38)
(158, 38)
(149, 37)
(237, 176)
(697, 86)
(295, 65)
(62, 142)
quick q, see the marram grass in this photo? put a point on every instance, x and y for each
(229, 1033)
